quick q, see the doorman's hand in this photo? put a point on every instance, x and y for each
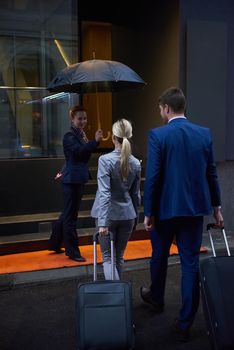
(98, 135)
(58, 176)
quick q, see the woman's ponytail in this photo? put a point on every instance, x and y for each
(122, 130)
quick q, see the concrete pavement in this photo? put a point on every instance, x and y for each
(38, 308)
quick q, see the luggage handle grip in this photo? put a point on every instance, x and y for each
(214, 226)
(96, 234)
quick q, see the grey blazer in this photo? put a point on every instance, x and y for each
(116, 199)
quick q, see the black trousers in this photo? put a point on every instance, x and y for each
(64, 229)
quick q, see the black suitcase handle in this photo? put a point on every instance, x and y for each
(215, 227)
(96, 234)
(95, 239)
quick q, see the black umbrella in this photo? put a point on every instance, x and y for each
(96, 76)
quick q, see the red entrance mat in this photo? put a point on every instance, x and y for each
(45, 260)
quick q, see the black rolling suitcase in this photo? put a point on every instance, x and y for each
(217, 291)
(104, 312)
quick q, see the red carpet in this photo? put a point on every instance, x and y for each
(44, 260)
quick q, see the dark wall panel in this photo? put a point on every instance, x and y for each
(28, 186)
(206, 79)
(230, 92)
(152, 49)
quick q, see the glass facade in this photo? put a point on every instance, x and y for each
(37, 40)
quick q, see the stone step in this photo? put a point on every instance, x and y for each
(22, 243)
(33, 223)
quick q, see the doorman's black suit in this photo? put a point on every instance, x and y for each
(77, 152)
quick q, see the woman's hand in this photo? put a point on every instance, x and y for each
(98, 135)
(58, 175)
(103, 231)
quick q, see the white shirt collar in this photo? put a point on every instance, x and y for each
(177, 117)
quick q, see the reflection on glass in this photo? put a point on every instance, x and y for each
(31, 126)
(27, 61)
(7, 60)
(39, 130)
(55, 60)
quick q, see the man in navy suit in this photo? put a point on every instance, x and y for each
(181, 187)
(77, 150)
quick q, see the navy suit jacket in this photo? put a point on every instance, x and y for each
(181, 177)
(77, 153)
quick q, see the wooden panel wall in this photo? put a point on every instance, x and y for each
(96, 39)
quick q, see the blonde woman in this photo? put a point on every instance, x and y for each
(118, 196)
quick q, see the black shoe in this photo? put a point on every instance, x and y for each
(77, 258)
(183, 335)
(146, 295)
(57, 250)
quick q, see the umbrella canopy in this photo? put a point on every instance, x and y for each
(95, 76)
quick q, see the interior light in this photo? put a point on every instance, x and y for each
(62, 52)
(56, 96)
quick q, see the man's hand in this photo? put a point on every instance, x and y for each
(218, 217)
(103, 231)
(149, 223)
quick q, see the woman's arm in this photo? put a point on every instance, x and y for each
(104, 188)
(71, 144)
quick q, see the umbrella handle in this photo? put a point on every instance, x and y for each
(99, 121)
(108, 136)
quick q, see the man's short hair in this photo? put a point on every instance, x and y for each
(174, 98)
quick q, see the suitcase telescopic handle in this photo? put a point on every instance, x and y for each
(215, 227)
(95, 239)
